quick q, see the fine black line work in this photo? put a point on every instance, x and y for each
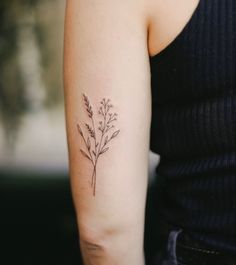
(96, 141)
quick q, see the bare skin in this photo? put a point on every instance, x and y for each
(167, 19)
(96, 145)
(106, 56)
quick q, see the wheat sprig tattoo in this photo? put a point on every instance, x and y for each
(96, 142)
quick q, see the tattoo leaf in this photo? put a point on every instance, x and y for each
(88, 106)
(88, 143)
(115, 134)
(104, 150)
(91, 131)
(79, 130)
(106, 139)
(84, 154)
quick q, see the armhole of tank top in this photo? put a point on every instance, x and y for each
(166, 52)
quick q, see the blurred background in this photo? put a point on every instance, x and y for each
(37, 220)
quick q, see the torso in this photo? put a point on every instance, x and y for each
(193, 124)
(167, 19)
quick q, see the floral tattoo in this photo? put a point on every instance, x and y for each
(96, 142)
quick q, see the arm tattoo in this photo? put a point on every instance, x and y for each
(96, 142)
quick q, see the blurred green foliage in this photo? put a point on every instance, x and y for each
(45, 20)
(12, 102)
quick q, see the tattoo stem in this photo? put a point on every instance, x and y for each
(95, 141)
(93, 153)
(87, 148)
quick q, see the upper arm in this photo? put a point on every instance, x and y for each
(106, 56)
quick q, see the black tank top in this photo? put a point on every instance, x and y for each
(193, 82)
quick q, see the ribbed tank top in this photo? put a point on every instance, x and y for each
(193, 129)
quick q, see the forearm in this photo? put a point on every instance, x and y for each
(111, 231)
(111, 217)
(108, 115)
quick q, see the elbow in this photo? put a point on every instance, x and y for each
(95, 243)
(89, 233)
(91, 247)
(101, 237)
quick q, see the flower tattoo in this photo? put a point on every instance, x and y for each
(96, 141)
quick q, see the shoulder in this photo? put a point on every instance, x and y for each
(111, 12)
(110, 28)
(132, 8)
(166, 20)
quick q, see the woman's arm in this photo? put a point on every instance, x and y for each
(107, 98)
